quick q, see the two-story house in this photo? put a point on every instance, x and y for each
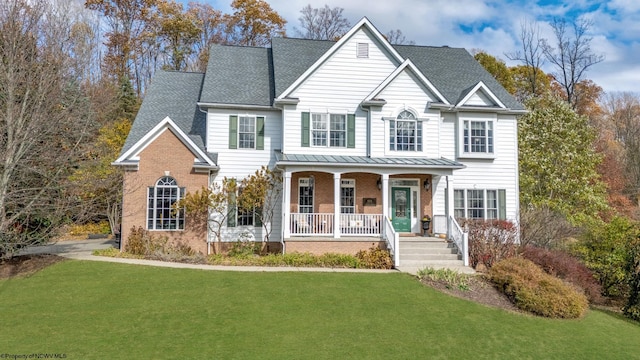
(369, 138)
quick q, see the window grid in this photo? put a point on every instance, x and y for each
(305, 196)
(478, 136)
(475, 204)
(405, 133)
(348, 197)
(246, 132)
(338, 132)
(161, 197)
(319, 129)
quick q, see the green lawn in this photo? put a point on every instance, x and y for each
(104, 310)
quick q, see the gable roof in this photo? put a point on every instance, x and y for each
(173, 95)
(454, 72)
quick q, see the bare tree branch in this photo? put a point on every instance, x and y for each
(322, 23)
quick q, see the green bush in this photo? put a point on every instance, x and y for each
(290, 259)
(533, 290)
(632, 307)
(375, 258)
(604, 249)
(243, 249)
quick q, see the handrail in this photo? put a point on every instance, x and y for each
(460, 238)
(392, 239)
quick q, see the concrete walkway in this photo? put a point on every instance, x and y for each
(82, 249)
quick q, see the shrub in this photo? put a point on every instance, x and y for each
(561, 264)
(604, 249)
(533, 290)
(101, 227)
(243, 249)
(141, 242)
(289, 259)
(375, 258)
(632, 307)
(491, 241)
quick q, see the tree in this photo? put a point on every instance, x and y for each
(212, 31)
(572, 55)
(179, 31)
(498, 69)
(211, 206)
(131, 50)
(558, 161)
(396, 37)
(253, 23)
(261, 192)
(522, 78)
(323, 23)
(532, 59)
(43, 119)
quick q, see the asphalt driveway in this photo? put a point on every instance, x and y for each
(70, 247)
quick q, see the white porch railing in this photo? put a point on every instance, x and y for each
(460, 238)
(392, 239)
(311, 224)
(439, 223)
(360, 224)
(322, 224)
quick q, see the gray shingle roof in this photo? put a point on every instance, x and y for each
(238, 75)
(172, 94)
(320, 160)
(453, 71)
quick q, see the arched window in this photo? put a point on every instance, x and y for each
(160, 212)
(405, 132)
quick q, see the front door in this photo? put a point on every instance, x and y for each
(401, 209)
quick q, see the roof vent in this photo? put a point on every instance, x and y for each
(362, 50)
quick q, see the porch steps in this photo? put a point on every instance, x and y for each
(417, 253)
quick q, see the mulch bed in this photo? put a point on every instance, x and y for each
(480, 291)
(26, 265)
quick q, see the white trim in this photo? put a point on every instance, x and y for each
(406, 64)
(362, 23)
(134, 151)
(481, 86)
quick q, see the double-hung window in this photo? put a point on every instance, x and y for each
(305, 195)
(161, 214)
(478, 137)
(246, 132)
(479, 204)
(329, 130)
(347, 196)
(405, 133)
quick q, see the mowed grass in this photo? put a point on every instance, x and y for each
(94, 310)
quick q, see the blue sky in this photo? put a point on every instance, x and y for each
(494, 25)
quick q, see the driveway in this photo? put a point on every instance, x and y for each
(70, 247)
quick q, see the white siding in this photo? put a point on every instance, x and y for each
(498, 173)
(240, 163)
(479, 99)
(339, 86)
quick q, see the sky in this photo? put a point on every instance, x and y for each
(494, 26)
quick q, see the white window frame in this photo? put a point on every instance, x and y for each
(306, 182)
(489, 211)
(469, 143)
(322, 128)
(242, 118)
(406, 117)
(347, 184)
(160, 203)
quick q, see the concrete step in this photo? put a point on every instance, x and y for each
(414, 269)
(404, 251)
(430, 263)
(420, 239)
(426, 246)
(427, 257)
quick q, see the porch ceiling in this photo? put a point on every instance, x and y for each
(343, 160)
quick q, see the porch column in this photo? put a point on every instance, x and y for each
(449, 205)
(286, 205)
(385, 195)
(336, 205)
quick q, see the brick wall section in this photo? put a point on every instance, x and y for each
(318, 247)
(366, 187)
(165, 153)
